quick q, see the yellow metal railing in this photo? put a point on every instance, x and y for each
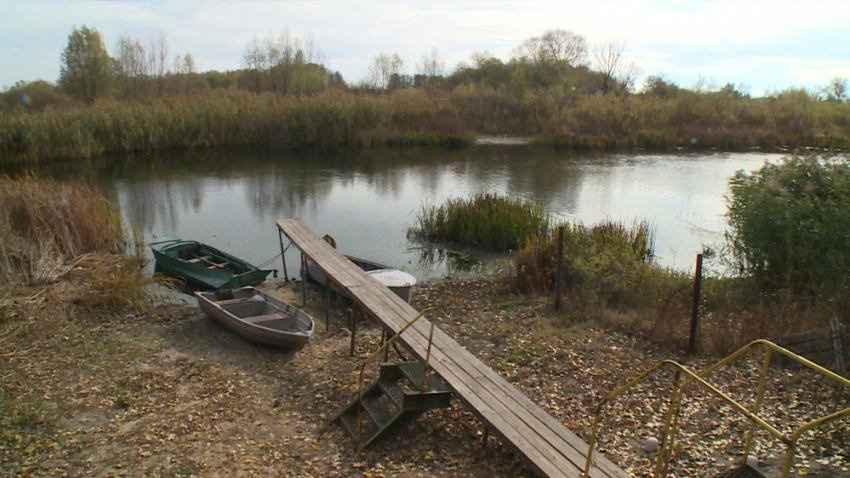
(383, 347)
(671, 421)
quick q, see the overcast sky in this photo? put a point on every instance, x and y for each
(764, 45)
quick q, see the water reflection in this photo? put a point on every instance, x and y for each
(367, 199)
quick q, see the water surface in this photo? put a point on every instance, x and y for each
(367, 199)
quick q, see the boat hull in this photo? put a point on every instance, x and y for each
(205, 265)
(258, 317)
(400, 282)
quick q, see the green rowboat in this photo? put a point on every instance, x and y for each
(204, 265)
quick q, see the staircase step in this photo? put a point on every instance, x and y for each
(387, 407)
(381, 409)
(413, 371)
(743, 471)
(393, 392)
(367, 427)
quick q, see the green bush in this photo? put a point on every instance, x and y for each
(789, 224)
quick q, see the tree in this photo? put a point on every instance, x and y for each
(85, 72)
(284, 64)
(554, 45)
(431, 68)
(313, 54)
(131, 66)
(253, 59)
(382, 68)
(659, 85)
(186, 68)
(616, 76)
(704, 85)
(837, 89)
(158, 59)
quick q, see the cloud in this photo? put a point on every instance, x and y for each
(765, 44)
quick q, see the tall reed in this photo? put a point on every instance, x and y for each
(485, 220)
(601, 262)
(45, 225)
(231, 119)
(554, 116)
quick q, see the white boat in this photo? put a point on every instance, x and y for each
(394, 279)
(258, 317)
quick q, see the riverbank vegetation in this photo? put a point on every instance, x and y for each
(94, 386)
(49, 229)
(485, 220)
(554, 88)
(784, 268)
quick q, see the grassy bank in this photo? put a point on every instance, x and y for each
(411, 117)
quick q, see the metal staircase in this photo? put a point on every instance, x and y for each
(392, 401)
(402, 392)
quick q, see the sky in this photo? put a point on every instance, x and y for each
(762, 45)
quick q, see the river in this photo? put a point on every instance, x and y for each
(367, 199)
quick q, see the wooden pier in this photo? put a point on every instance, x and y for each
(545, 445)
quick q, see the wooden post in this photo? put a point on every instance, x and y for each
(692, 342)
(353, 329)
(559, 268)
(303, 280)
(282, 254)
(328, 304)
(485, 437)
(384, 337)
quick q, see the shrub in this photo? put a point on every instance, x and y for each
(608, 264)
(789, 225)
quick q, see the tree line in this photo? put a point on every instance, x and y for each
(282, 64)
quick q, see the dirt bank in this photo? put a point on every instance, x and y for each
(168, 392)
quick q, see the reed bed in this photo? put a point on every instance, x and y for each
(330, 119)
(562, 118)
(554, 116)
(47, 226)
(486, 220)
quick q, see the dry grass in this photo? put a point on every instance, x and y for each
(608, 278)
(47, 226)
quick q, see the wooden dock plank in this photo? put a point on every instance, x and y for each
(548, 447)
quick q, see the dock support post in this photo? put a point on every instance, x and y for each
(327, 304)
(303, 280)
(353, 330)
(486, 437)
(384, 337)
(282, 254)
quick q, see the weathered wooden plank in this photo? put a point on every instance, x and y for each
(523, 396)
(822, 346)
(543, 442)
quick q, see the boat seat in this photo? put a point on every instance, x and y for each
(198, 259)
(235, 301)
(263, 318)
